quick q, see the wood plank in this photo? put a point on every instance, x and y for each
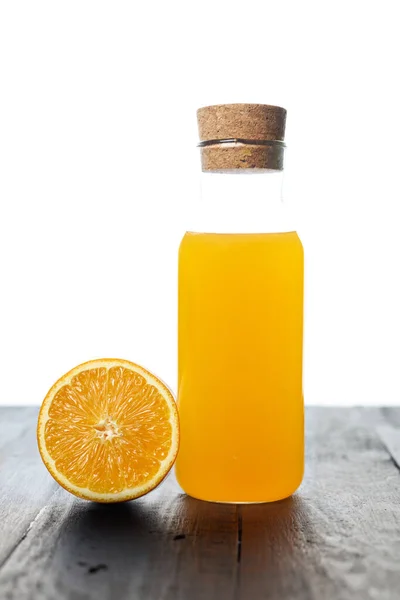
(14, 422)
(390, 437)
(390, 415)
(339, 537)
(164, 546)
(24, 483)
(389, 431)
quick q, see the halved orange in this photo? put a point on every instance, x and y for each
(108, 430)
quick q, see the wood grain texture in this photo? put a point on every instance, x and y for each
(390, 436)
(24, 484)
(337, 538)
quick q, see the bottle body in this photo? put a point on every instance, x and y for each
(240, 340)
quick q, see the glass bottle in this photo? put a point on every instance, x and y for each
(240, 317)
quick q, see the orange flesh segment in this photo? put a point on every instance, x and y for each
(108, 430)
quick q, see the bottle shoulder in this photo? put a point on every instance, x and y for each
(193, 239)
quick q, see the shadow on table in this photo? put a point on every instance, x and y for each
(120, 550)
(280, 527)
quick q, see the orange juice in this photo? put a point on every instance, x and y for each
(240, 366)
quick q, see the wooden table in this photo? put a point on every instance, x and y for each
(337, 538)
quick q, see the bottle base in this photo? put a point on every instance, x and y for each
(243, 502)
(276, 494)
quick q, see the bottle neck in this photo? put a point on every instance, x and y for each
(241, 201)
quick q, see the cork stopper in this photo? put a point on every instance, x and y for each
(241, 136)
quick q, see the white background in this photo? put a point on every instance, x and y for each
(98, 160)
